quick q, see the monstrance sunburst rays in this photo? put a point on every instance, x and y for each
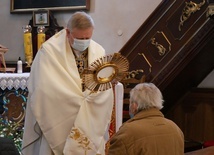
(103, 71)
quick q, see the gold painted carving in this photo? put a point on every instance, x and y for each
(133, 74)
(161, 48)
(150, 69)
(189, 9)
(210, 11)
(164, 46)
(133, 77)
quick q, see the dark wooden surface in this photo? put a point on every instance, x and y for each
(194, 114)
(205, 151)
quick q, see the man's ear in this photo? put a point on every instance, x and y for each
(134, 107)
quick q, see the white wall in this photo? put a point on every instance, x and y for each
(208, 82)
(111, 17)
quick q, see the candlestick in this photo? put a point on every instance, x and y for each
(28, 44)
(40, 36)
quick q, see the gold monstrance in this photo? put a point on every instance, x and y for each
(103, 71)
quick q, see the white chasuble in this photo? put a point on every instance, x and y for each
(60, 117)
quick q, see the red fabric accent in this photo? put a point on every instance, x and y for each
(125, 112)
(208, 143)
(112, 127)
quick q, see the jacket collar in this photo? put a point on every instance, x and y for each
(147, 113)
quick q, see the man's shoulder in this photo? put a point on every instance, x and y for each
(57, 41)
(94, 43)
(128, 126)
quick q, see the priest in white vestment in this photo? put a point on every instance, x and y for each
(62, 117)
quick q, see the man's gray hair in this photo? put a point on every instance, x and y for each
(147, 96)
(80, 20)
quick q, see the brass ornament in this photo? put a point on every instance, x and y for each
(188, 10)
(99, 75)
(161, 48)
(150, 66)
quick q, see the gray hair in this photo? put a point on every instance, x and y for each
(147, 96)
(80, 20)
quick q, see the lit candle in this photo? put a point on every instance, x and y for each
(28, 45)
(40, 36)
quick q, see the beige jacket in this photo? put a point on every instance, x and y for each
(148, 133)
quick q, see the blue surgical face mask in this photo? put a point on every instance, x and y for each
(81, 45)
(130, 113)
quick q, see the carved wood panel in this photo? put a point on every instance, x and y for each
(194, 115)
(162, 44)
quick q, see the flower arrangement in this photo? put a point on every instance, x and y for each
(13, 130)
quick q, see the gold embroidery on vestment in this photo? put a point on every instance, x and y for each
(81, 139)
